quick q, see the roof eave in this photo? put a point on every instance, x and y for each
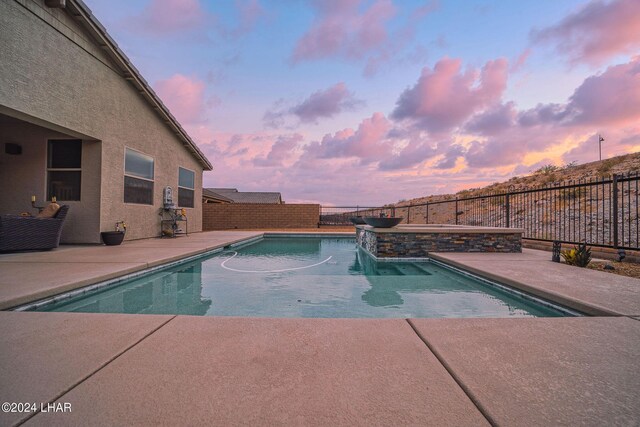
(80, 11)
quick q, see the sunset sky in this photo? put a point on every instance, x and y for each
(368, 102)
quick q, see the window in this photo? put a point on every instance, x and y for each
(138, 178)
(186, 187)
(64, 173)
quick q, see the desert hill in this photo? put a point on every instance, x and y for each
(548, 175)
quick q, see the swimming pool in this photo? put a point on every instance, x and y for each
(306, 277)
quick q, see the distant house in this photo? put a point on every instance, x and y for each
(232, 195)
(209, 196)
(79, 122)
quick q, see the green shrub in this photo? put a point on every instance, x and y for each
(579, 256)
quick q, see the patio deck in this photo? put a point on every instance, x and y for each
(145, 369)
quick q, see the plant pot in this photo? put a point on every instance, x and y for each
(112, 238)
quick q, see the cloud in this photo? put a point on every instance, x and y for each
(413, 154)
(321, 104)
(167, 17)
(521, 60)
(598, 31)
(185, 97)
(357, 30)
(281, 150)
(450, 157)
(342, 29)
(249, 14)
(325, 103)
(410, 154)
(493, 120)
(367, 143)
(611, 98)
(445, 97)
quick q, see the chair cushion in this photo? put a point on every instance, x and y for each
(50, 211)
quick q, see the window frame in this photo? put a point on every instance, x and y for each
(54, 169)
(128, 175)
(180, 187)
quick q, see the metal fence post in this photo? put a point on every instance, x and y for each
(426, 219)
(409, 214)
(614, 196)
(456, 211)
(508, 211)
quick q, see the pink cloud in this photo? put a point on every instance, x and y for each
(164, 17)
(444, 97)
(493, 120)
(450, 157)
(521, 60)
(325, 103)
(281, 150)
(367, 143)
(414, 153)
(184, 96)
(608, 103)
(249, 14)
(488, 137)
(610, 98)
(342, 29)
(596, 32)
(321, 104)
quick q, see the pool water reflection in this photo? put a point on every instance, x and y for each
(306, 277)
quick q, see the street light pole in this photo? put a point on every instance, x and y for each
(600, 141)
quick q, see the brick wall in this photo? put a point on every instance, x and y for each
(219, 216)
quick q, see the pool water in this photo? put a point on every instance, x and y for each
(306, 277)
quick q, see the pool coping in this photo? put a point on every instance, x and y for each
(440, 228)
(585, 307)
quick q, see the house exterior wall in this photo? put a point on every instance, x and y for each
(53, 71)
(219, 216)
(27, 172)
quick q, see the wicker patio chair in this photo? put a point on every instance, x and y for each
(18, 233)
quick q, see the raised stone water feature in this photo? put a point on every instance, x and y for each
(416, 241)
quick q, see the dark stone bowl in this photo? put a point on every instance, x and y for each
(357, 220)
(112, 238)
(377, 222)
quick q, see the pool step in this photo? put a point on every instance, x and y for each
(391, 269)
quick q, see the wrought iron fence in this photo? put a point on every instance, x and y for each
(340, 215)
(599, 212)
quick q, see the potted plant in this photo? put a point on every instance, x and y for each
(114, 238)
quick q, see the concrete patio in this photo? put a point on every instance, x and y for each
(119, 369)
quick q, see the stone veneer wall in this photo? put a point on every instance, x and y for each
(418, 245)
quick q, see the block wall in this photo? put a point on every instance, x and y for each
(219, 216)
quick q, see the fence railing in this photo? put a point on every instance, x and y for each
(599, 212)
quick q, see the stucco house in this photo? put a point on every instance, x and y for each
(79, 122)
